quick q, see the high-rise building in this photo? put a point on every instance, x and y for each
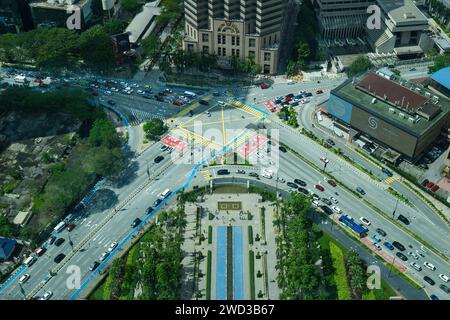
(236, 28)
(15, 16)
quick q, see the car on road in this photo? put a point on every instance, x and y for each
(434, 297)
(137, 221)
(223, 172)
(103, 256)
(444, 277)
(158, 159)
(158, 98)
(157, 202)
(51, 240)
(292, 185)
(47, 295)
(303, 190)
(59, 257)
(376, 238)
(420, 253)
(315, 196)
(240, 171)
(403, 219)
(112, 246)
(381, 232)
(360, 190)
(365, 221)
(253, 174)
(40, 251)
(330, 142)
(300, 182)
(388, 245)
(315, 203)
(203, 102)
(164, 147)
(412, 254)
(415, 266)
(429, 266)
(319, 91)
(336, 209)
(70, 227)
(398, 245)
(148, 210)
(281, 180)
(334, 200)
(59, 242)
(401, 256)
(434, 188)
(282, 149)
(327, 210)
(319, 187)
(377, 246)
(167, 91)
(24, 278)
(327, 201)
(387, 172)
(429, 280)
(264, 86)
(332, 183)
(444, 288)
(94, 265)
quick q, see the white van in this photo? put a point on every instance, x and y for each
(29, 261)
(165, 194)
(189, 93)
(60, 226)
(24, 278)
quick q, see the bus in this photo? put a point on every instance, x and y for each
(60, 226)
(29, 261)
(356, 228)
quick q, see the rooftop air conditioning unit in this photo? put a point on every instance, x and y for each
(391, 110)
(401, 115)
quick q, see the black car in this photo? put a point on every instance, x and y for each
(381, 232)
(403, 219)
(360, 190)
(292, 185)
(300, 182)
(253, 174)
(424, 182)
(429, 280)
(387, 172)
(303, 190)
(158, 159)
(157, 202)
(136, 222)
(59, 242)
(282, 149)
(331, 142)
(326, 201)
(401, 256)
(308, 94)
(398, 245)
(94, 265)
(149, 210)
(444, 288)
(222, 172)
(326, 209)
(290, 95)
(158, 97)
(51, 240)
(59, 257)
(203, 102)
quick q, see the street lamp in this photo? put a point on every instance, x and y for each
(395, 209)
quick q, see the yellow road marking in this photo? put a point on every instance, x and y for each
(185, 111)
(390, 180)
(196, 116)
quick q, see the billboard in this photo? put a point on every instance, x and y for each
(383, 132)
(339, 108)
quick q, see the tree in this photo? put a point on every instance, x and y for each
(154, 128)
(131, 6)
(151, 46)
(115, 27)
(103, 134)
(304, 54)
(440, 62)
(96, 48)
(360, 65)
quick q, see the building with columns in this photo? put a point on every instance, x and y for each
(236, 28)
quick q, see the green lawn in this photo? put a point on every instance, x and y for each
(208, 276)
(252, 274)
(340, 276)
(380, 294)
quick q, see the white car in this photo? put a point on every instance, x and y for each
(377, 246)
(444, 277)
(104, 256)
(416, 266)
(24, 278)
(315, 203)
(140, 92)
(429, 266)
(266, 173)
(107, 92)
(47, 295)
(334, 200)
(365, 221)
(112, 246)
(336, 209)
(412, 254)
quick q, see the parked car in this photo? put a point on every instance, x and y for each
(435, 188)
(303, 190)
(444, 288)
(332, 183)
(103, 256)
(403, 219)
(319, 91)
(51, 240)
(327, 201)
(264, 86)
(240, 171)
(398, 245)
(112, 246)
(388, 245)
(331, 142)
(282, 149)
(416, 266)
(377, 246)
(365, 221)
(444, 277)
(47, 295)
(425, 182)
(300, 182)
(24, 278)
(327, 210)
(223, 172)
(136, 221)
(401, 256)
(429, 266)
(319, 187)
(376, 238)
(429, 280)
(94, 265)
(336, 209)
(387, 172)
(70, 226)
(40, 251)
(292, 185)
(149, 210)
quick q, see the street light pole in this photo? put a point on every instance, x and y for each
(395, 209)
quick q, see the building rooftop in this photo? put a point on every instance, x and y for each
(6, 247)
(442, 77)
(140, 25)
(402, 12)
(394, 102)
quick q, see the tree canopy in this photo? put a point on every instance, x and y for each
(154, 128)
(360, 65)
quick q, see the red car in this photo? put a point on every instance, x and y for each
(332, 183)
(319, 187)
(264, 86)
(435, 188)
(40, 251)
(70, 227)
(430, 184)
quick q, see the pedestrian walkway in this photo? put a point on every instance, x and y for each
(246, 108)
(195, 138)
(390, 180)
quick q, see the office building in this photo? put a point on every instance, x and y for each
(55, 13)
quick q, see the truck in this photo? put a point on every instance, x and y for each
(60, 226)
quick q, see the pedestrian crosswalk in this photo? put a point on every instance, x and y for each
(196, 138)
(243, 139)
(136, 116)
(246, 108)
(390, 180)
